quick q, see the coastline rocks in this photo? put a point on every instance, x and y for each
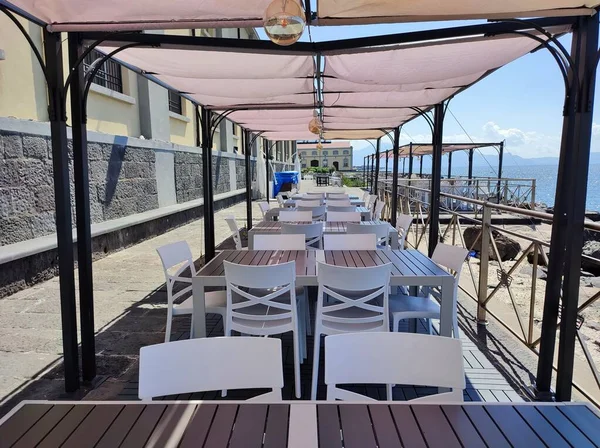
(507, 248)
(541, 260)
(591, 249)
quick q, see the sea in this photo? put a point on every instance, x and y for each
(545, 176)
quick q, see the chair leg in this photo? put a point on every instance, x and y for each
(429, 327)
(307, 314)
(315, 369)
(388, 391)
(168, 328)
(455, 329)
(302, 330)
(396, 324)
(192, 335)
(297, 365)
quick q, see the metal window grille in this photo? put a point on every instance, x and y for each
(109, 75)
(175, 103)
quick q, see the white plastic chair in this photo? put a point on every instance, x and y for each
(403, 223)
(365, 197)
(177, 257)
(295, 216)
(280, 242)
(394, 358)
(280, 200)
(367, 241)
(314, 195)
(335, 208)
(344, 217)
(313, 233)
(338, 197)
(318, 213)
(309, 203)
(378, 210)
(426, 307)
(261, 301)
(205, 364)
(358, 301)
(370, 202)
(381, 232)
(264, 208)
(230, 220)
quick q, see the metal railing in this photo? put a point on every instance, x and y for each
(511, 291)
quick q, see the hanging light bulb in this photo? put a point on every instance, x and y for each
(315, 125)
(284, 21)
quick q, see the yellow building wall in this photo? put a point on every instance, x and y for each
(183, 132)
(23, 92)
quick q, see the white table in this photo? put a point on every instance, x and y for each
(329, 228)
(410, 268)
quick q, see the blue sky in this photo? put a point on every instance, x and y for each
(520, 103)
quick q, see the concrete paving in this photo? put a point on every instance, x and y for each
(130, 312)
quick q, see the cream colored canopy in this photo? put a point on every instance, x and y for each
(115, 15)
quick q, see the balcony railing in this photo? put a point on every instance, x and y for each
(511, 290)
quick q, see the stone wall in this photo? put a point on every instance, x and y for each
(240, 174)
(188, 176)
(221, 178)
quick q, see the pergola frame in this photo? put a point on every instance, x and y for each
(578, 68)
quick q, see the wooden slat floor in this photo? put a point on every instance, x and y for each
(484, 382)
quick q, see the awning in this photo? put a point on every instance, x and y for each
(118, 15)
(355, 12)
(424, 149)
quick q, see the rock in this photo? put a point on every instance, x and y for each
(592, 216)
(507, 248)
(541, 261)
(591, 249)
(592, 282)
(590, 235)
(527, 271)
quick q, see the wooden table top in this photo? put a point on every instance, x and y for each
(406, 263)
(298, 424)
(328, 226)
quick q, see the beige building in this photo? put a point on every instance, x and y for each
(335, 154)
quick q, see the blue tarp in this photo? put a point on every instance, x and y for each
(284, 177)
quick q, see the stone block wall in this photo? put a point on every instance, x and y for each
(188, 176)
(240, 174)
(221, 178)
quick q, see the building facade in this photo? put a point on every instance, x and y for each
(145, 167)
(335, 154)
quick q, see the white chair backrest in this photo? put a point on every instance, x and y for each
(367, 241)
(451, 257)
(365, 197)
(176, 255)
(403, 223)
(378, 209)
(371, 200)
(230, 220)
(341, 203)
(280, 242)
(381, 231)
(309, 203)
(337, 196)
(354, 295)
(314, 195)
(189, 366)
(364, 358)
(318, 213)
(335, 208)
(264, 208)
(313, 233)
(280, 200)
(344, 216)
(295, 216)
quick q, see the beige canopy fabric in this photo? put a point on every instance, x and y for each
(355, 12)
(132, 15)
(425, 149)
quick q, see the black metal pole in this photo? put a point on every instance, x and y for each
(207, 184)
(395, 176)
(586, 59)
(436, 176)
(377, 162)
(267, 160)
(247, 152)
(82, 210)
(421, 166)
(365, 171)
(387, 159)
(449, 165)
(62, 200)
(372, 173)
(471, 163)
(568, 220)
(404, 166)
(410, 162)
(500, 162)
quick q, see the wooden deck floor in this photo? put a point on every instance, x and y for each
(484, 381)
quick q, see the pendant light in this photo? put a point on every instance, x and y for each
(284, 21)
